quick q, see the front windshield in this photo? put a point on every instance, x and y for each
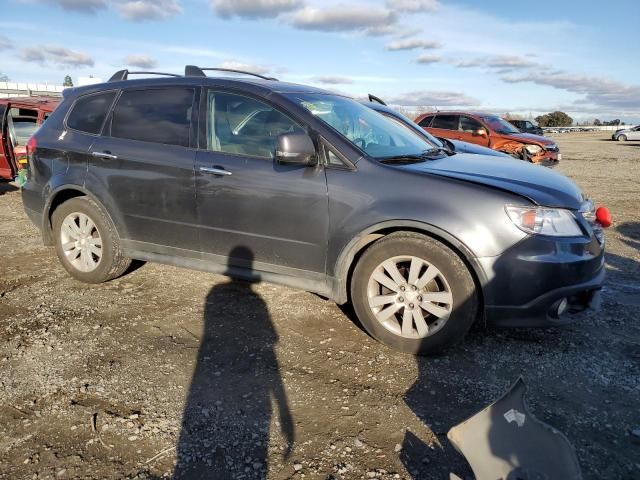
(499, 125)
(378, 136)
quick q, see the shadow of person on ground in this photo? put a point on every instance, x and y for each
(228, 412)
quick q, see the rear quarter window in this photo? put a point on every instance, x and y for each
(426, 121)
(89, 112)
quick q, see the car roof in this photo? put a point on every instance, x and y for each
(457, 112)
(37, 103)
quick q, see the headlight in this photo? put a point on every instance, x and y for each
(533, 149)
(556, 222)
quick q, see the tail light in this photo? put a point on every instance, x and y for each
(31, 147)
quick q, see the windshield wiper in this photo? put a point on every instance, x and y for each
(430, 154)
(409, 158)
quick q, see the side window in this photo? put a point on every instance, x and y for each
(469, 125)
(426, 121)
(89, 112)
(446, 122)
(243, 126)
(158, 115)
(528, 125)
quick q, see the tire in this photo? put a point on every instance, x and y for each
(455, 310)
(100, 258)
(622, 138)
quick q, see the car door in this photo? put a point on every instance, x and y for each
(445, 125)
(6, 171)
(144, 162)
(250, 208)
(470, 130)
(634, 134)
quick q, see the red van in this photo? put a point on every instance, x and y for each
(19, 118)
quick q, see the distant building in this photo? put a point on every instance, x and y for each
(18, 89)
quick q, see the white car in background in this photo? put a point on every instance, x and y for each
(625, 134)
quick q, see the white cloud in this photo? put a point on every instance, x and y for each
(500, 62)
(600, 91)
(411, 44)
(134, 10)
(254, 8)
(5, 43)
(247, 67)
(343, 19)
(426, 98)
(332, 80)
(141, 61)
(427, 59)
(414, 6)
(56, 55)
(148, 10)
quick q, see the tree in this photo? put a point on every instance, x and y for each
(3, 78)
(597, 122)
(555, 119)
(67, 81)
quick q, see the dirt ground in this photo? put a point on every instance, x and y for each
(168, 370)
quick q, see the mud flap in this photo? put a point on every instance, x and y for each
(505, 442)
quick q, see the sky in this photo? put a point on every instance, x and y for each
(525, 58)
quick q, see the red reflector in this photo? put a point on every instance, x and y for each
(603, 216)
(31, 145)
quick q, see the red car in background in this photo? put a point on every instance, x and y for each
(19, 118)
(491, 131)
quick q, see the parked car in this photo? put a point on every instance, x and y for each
(527, 126)
(19, 118)
(456, 146)
(624, 134)
(263, 180)
(493, 132)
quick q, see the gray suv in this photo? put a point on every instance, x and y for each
(265, 180)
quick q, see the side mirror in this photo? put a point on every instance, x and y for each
(481, 132)
(295, 148)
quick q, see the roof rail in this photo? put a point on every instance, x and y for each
(373, 98)
(124, 75)
(194, 71)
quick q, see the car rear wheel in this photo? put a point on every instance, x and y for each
(413, 293)
(622, 138)
(86, 242)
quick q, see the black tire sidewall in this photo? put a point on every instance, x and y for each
(102, 223)
(461, 282)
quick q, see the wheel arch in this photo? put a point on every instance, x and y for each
(351, 253)
(60, 195)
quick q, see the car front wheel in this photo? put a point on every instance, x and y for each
(86, 241)
(413, 293)
(622, 138)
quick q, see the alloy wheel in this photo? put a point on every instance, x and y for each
(409, 296)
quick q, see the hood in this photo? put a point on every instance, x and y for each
(466, 147)
(539, 184)
(530, 138)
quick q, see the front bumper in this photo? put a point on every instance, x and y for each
(543, 282)
(547, 158)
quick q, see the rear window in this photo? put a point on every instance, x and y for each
(446, 122)
(89, 112)
(161, 115)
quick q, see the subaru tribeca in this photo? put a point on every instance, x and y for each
(264, 180)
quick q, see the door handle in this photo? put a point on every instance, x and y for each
(215, 171)
(104, 155)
